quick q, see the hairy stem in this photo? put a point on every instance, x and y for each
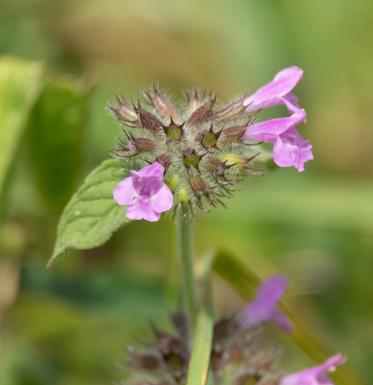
(185, 242)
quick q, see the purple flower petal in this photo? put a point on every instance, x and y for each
(272, 290)
(124, 192)
(154, 170)
(291, 102)
(269, 130)
(291, 149)
(144, 193)
(141, 209)
(264, 307)
(162, 200)
(316, 375)
(282, 321)
(273, 92)
(146, 186)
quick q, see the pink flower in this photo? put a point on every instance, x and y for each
(316, 375)
(276, 91)
(264, 307)
(144, 193)
(290, 148)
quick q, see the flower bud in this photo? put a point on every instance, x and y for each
(215, 166)
(202, 114)
(160, 102)
(143, 144)
(231, 135)
(148, 120)
(125, 112)
(164, 160)
(195, 98)
(230, 112)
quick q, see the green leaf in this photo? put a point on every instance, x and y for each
(19, 87)
(92, 215)
(245, 282)
(54, 133)
(198, 371)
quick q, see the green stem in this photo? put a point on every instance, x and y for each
(185, 241)
(200, 371)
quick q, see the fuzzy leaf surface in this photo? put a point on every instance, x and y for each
(92, 215)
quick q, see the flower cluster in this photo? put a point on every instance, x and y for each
(205, 147)
(290, 148)
(241, 351)
(238, 356)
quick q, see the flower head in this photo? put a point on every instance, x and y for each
(264, 307)
(202, 143)
(144, 193)
(199, 144)
(316, 375)
(276, 91)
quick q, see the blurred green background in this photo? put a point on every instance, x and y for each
(70, 325)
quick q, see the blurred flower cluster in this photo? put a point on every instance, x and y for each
(242, 351)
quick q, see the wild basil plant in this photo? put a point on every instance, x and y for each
(186, 159)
